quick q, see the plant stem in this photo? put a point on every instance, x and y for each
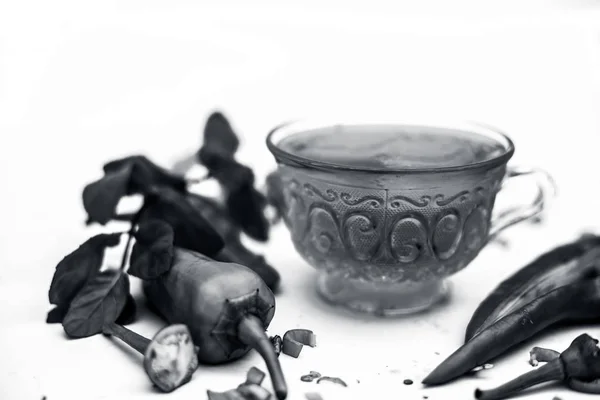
(195, 181)
(126, 252)
(552, 371)
(125, 217)
(138, 342)
(251, 332)
(134, 221)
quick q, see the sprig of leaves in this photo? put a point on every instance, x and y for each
(190, 229)
(244, 202)
(124, 177)
(79, 273)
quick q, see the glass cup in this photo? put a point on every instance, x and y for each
(384, 240)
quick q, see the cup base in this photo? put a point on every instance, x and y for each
(381, 299)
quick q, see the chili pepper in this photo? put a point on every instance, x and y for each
(580, 361)
(169, 358)
(233, 250)
(579, 301)
(226, 306)
(561, 266)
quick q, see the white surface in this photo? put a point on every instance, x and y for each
(81, 84)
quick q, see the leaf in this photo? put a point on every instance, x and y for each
(191, 230)
(57, 314)
(100, 198)
(216, 214)
(230, 174)
(244, 203)
(234, 250)
(152, 252)
(100, 302)
(145, 174)
(219, 135)
(247, 208)
(74, 270)
(129, 312)
(123, 177)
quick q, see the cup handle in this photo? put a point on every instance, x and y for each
(546, 190)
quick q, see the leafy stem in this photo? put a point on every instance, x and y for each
(134, 221)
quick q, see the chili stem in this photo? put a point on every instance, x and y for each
(138, 342)
(251, 332)
(540, 354)
(552, 371)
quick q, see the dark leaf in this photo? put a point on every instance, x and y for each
(234, 250)
(100, 302)
(129, 312)
(100, 198)
(57, 314)
(191, 230)
(152, 252)
(216, 215)
(247, 207)
(230, 174)
(74, 270)
(219, 135)
(145, 174)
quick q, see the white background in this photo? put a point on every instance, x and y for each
(83, 82)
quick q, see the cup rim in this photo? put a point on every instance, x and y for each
(285, 157)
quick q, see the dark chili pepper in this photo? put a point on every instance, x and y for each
(561, 266)
(233, 250)
(579, 301)
(226, 306)
(581, 362)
